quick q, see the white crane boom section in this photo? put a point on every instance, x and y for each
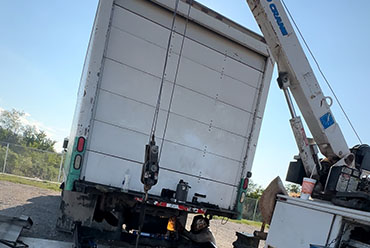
(291, 59)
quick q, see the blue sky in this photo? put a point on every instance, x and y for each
(43, 45)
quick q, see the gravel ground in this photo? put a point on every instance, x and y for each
(225, 233)
(42, 206)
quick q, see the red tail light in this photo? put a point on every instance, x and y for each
(80, 144)
(245, 183)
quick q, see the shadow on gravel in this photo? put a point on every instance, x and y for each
(44, 211)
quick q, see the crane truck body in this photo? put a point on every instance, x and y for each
(214, 94)
(338, 215)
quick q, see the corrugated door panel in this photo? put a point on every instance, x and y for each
(203, 55)
(143, 28)
(103, 166)
(127, 113)
(241, 72)
(128, 144)
(134, 84)
(119, 142)
(224, 88)
(226, 47)
(199, 163)
(128, 22)
(144, 9)
(196, 135)
(195, 32)
(210, 111)
(141, 54)
(117, 168)
(148, 67)
(220, 62)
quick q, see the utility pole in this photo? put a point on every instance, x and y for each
(6, 157)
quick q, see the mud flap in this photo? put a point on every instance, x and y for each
(75, 207)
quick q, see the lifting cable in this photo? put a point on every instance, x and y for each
(321, 72)
(175, 79)
(157, 107)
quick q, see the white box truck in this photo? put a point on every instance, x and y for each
(214, 94)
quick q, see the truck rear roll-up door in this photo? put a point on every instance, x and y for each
(211, 114)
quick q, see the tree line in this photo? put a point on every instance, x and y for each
(30, 152)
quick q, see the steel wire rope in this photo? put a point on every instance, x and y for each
(156, 112)
(175, 79)
(321, 72)
(155, 120)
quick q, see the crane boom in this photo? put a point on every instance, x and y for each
(299, 78)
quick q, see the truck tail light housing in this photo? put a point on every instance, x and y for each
(77, 162)
(80, 144)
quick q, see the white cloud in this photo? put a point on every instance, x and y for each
(57, 134)
(51, 132)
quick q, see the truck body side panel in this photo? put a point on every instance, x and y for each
(87, 92)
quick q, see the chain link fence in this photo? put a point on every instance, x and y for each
(45, 165)
(251, 210)
(30, 162)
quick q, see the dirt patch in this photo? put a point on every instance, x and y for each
(42, 206)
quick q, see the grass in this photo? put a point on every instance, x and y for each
(29, 181)
(243, 221)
